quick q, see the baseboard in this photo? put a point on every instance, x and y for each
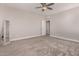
(65, 38)
(24, 37)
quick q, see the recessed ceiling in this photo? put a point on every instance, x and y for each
(31, 7)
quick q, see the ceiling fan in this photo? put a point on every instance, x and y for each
(45, 6)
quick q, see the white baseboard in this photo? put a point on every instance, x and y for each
(40, 35)
(65, 38)
(24, 37)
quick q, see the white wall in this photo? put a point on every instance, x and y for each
(66, 24)
(22, 24)
(43, 27)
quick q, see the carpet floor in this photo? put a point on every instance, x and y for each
(40, 46)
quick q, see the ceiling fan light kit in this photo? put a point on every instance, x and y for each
(45, 6)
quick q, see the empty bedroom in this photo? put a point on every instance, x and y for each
(39, 29)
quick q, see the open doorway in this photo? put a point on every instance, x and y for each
(48, 27)
(45, 27)
(5, 32)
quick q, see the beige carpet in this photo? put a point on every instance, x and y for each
(40, 46)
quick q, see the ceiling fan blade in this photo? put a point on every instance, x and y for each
(43, 4)
(49, 8)
(50, 4)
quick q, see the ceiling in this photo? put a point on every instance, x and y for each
(30, 7)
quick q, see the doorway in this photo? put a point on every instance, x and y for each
(48, 27)
(5, 32)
